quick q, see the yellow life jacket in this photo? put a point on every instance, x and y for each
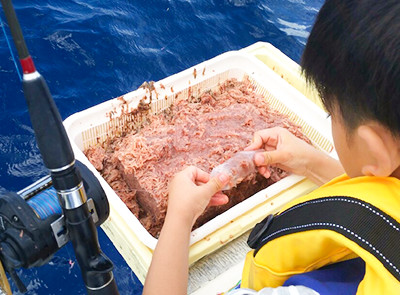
(307, 250)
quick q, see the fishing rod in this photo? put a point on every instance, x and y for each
(66, 179)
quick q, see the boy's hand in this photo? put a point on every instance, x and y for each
(192, 190)
(282, 149)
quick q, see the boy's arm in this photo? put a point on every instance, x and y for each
(284, 150)
(190, 192)
(321, 167)
(168, 273)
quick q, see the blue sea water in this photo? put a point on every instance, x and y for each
(91, 51)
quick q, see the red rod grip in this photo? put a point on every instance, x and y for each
(27, 65)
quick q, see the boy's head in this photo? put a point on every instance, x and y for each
(353, 57)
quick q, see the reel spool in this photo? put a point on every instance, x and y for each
(32, 225)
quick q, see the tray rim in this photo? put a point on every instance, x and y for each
(140, 231)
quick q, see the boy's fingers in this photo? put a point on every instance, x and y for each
(267, 158)
(216, 184)
(272, 141)
(256, 143)
(264, 171)
(202, 176)
(252, 146)
(195, 174)
(264, 137)
(218, 199)
(262, 159)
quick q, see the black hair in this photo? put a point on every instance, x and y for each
(352, 56)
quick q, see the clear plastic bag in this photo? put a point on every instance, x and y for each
(237, 168)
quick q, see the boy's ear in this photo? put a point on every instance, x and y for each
(381, 150)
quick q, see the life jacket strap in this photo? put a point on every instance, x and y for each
(359, 221)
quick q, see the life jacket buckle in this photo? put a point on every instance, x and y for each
(258, 231)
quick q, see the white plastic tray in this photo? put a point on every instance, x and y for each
(92, 125)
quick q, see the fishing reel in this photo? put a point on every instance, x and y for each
(32, 224)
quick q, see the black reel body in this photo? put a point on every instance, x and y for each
(32, 225)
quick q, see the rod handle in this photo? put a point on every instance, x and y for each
(50, 133)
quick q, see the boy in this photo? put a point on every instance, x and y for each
(353, 58)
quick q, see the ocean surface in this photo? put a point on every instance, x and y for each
(91, 51)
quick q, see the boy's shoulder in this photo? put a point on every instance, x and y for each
(330, 225)
(382, 192)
